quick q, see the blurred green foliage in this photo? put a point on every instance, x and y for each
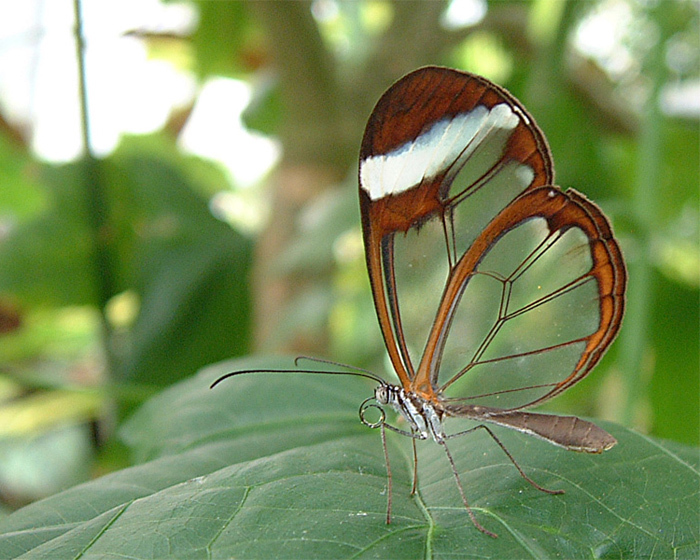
(178, 279)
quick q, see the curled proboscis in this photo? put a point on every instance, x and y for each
(364, 407)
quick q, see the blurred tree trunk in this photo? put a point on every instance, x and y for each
(324, 116)
(315, 156)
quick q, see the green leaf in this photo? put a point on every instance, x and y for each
(20, 197)
(45, 260)
(674, 333)
(190, 270)
(278, 466)
(223, 31)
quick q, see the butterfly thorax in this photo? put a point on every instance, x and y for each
(423, 416)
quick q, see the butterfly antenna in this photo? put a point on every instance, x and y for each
(332, 363)
(357, 372)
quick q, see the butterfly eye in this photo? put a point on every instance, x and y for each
(381, 394)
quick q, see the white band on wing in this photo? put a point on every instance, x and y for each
(433, 151)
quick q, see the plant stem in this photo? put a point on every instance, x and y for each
(635, 336)
(93, 184)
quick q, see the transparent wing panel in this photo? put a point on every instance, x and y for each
(485, 200)
(523, 318)
(421, 270)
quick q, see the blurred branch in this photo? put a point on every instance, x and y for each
(585, 77)
(595, 87)
(307, 80)
(414, 39)
(17, 134)
(321, 134)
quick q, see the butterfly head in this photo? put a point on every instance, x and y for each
(387, 394)
(423, 417)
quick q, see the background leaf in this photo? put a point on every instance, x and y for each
(279, 466)
(189, 269)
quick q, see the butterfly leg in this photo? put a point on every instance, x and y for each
(414, 436)
(414, 489)
(382, 425)
(389, 492)
(512, 459)
(461, 493)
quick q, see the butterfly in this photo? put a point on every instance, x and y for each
(495, 290)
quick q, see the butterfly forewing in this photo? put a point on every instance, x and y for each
(443, 153)
(489, 283)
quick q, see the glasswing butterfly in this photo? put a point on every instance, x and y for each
(495, 290)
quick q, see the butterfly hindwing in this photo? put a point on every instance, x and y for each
(530, 308)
